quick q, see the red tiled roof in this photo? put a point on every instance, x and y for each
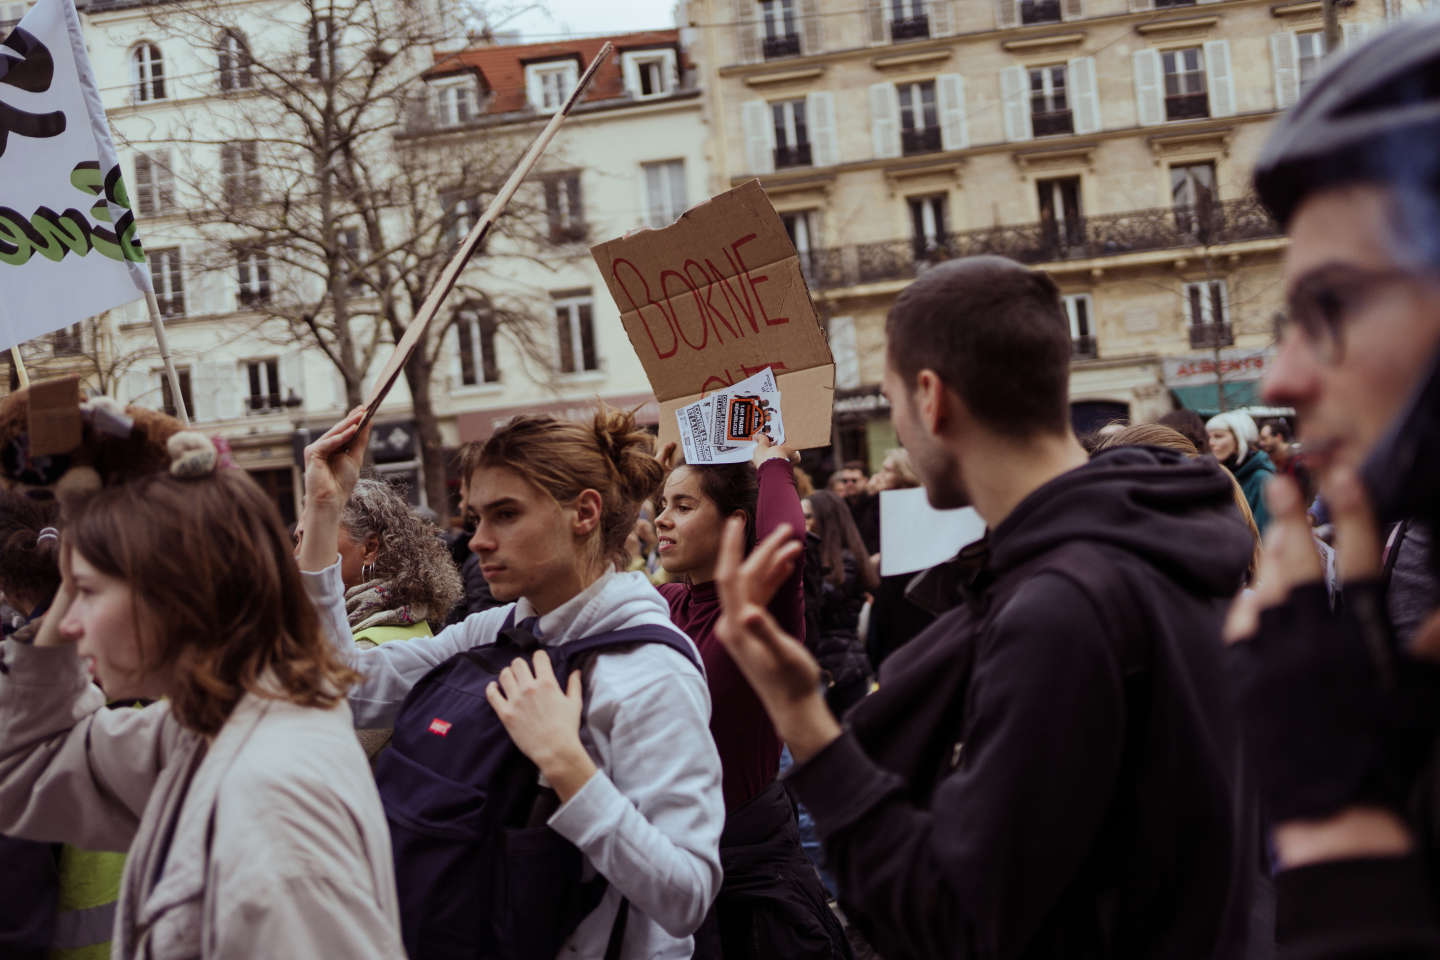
(503, 67)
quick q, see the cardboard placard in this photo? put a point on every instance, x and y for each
(54, 420)
(716, 297)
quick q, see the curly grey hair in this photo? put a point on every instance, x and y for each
(413, 562)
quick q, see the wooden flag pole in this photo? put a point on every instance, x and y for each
(20, 372)
(451, 273)
(170, 374)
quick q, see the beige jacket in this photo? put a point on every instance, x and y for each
(269, 842)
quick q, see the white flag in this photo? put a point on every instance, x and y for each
(68, 248)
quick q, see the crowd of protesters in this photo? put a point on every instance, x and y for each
(1182, 699)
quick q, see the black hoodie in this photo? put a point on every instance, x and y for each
(1050, 769)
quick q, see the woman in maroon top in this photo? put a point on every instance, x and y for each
(771, 903)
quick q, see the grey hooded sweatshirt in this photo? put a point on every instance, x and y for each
(650, 820)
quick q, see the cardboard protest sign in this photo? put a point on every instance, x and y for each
(715, 298)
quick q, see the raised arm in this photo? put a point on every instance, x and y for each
(71, 770)
(779, 504)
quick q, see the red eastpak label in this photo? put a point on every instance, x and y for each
(442, 727)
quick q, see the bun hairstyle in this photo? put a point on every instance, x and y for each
(29, 548)
(609, 455)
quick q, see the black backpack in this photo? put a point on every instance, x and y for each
(479, 874)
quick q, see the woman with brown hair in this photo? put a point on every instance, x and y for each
(250, 816)
(623, 743)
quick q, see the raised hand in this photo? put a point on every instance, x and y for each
(544, 721)
(766, 450)
(782, 672)
(332, 463)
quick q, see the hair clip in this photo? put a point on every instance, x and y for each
(46, 533)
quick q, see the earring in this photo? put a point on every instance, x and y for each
(367, 571)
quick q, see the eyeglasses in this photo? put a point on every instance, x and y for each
(1323, 301)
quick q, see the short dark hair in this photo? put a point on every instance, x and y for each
(856, 465)
(1280, 427)
(1189, 425)
(996, 334)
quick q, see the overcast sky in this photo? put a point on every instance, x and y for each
(552, 19)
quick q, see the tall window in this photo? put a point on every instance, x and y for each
(552, 84)
(263, 379)
(1207, 312)
(1311, 47)
(1039, 11)
(147, 73)
(252, 274)
(781, 39)
(1049, 107)
(1082, 330)
(475, 329)
(1193, 195)
(234, 56)
(1060, 218)
(648, 73)
(462, 212)
(929, 233)
(563, 207)
(575, 334)
(154, 183)
(352, 255)
(169, 284)
(792, 142)
(1185, 94)
(800, 226)
(908, 19)
(68, 341)
(919, 121)
(322, 49)
(457, 101)
(240, 171)
(664, 191)
(167, 396)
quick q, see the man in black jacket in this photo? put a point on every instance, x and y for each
(1050, 769)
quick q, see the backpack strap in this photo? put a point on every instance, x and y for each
(630, 637)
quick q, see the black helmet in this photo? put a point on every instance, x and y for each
(1373, 116)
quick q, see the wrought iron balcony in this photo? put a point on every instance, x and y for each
(1187, 106)
(1211, 335)
(796, 156)
(911, 28)
(1039, 11)
(1174, 3)
(787, 45)
(1084, 348)
(924, 140)
(1052, 123)
(1044, 242)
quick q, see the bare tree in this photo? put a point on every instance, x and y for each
(330, 216)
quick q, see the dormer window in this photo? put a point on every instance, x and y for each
(649, 73)
(548, 84)
(457, 100)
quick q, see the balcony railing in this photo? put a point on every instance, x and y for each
(796, 156)
(1082, 348)
(1042, 242)
(911, 28)
(925, 140)
(1211, 335)
(1052, 123)
(784, 46)
(1174, 3)
(1039, 11)
(1187, 106)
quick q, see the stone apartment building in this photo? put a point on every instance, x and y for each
(1108, 142)
(529, 328)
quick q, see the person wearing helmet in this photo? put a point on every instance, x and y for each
(1341, 718)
